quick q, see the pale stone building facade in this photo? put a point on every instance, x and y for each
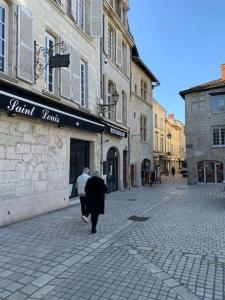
(116, 46)
(205, 128)
(49, 129)
(159, 136)
(175, 139)
(141, 123)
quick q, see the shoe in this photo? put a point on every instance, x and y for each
(93, 231)
(85, 219)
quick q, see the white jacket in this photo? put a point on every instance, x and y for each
(80, 184)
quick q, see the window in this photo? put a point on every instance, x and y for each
(161, 123)
(144, 90)
(218, 103)
(124, 107)
(111, 42)
(143, 129)
(118, 8)
(83, 83)
(124, 17)
(49, 73)
(161, 144)
(3, 35)
(156, 142)
(111, 88)
(156, 121)
(219, 136)
(135, 88)
(124, 64)
(80, 13)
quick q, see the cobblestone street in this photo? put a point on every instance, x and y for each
(178, 253)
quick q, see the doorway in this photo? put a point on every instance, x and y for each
(210, 172)
(125, 167)
(145, 171)
(79, 158)
(112, 170)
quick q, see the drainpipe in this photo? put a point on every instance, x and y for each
(101, 96)
(129, 133)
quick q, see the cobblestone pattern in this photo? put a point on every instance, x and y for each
(173, 255)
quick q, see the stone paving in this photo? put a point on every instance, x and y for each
(178, 253)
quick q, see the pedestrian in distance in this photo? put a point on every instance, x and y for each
(173, 171)
(80, 185)
(95, 190)
(152, 178)
(158, 173)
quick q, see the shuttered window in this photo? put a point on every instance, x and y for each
(111, 45)
(83, 83)
(80, 13)
(143, 129)
(3, 36)
(49, 73)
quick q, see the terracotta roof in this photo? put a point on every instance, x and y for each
(203, 87)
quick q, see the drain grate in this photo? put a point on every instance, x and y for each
(131, 199)
(137, 218)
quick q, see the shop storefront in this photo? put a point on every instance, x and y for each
(43, 147)
(115, 152)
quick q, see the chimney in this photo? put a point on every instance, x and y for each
(171, 116)
(223, 71)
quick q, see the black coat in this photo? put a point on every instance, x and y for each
(95, 192)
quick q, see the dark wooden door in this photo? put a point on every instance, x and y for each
(112, 171)
(79, 158)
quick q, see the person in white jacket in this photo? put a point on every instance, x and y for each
(80, 185)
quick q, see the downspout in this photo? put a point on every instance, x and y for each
(129, 133)
(101, 97)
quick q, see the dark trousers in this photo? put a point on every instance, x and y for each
(83, 203)
(94, 220)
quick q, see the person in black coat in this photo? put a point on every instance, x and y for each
(95, 192)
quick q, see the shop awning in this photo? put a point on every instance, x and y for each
(17, 101)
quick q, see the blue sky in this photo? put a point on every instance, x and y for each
(182, 42)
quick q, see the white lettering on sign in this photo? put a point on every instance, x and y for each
(117, 132)
(48, 117)
(21, 109)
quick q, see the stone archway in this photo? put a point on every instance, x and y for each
(112, 176)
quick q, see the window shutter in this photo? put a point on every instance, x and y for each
(25, 47)
(105, 34)
(75, 75)
(74, 9)
(118, 48)
(65, 84)
(96, 18)
(128, 61)
(88, 16)
(119, 106)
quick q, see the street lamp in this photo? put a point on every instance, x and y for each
(115, 99)
(169, 135)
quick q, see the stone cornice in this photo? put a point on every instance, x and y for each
(113, 16)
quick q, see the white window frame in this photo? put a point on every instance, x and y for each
(220, 137)
(48, 38)
(111, 39)
(143, 128)
(80, 14)
(214, 98)
(6, 8)
(83, 85)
